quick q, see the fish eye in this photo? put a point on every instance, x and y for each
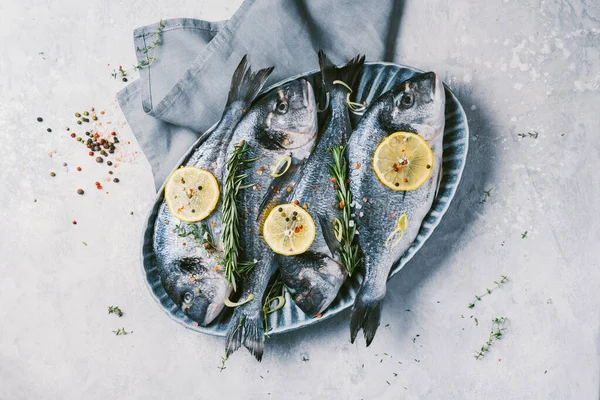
(187, 297)
(281, 106)
(407, 100)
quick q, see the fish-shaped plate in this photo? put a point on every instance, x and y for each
(376, 78)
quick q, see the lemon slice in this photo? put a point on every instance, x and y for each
(289, 230)
(403, 161)
(191, 193)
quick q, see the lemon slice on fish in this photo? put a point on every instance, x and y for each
(191, 193)
(289, 230)
(403, 161)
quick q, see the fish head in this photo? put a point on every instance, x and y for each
(289, 117)
(316, 284)
(197, 289)
(417, 105)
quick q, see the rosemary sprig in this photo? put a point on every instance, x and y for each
(149, 51)
(115, 310)
(199, 232)
(524, 235)
(495, 334)
(489, 291)
(349, 251)
(230, 214)
(275, 291)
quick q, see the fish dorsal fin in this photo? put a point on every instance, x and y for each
(329, 235)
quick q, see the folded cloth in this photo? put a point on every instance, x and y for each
(183, 91)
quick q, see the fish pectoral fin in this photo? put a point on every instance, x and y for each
(333, 244)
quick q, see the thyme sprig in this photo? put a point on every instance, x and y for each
(275, 291)
(532, 134)
(495, 334)
(230, 214)
(149, 51)
(349, 251)
(200, 233)
(486, 194)
(489, 291)
(121, 332)
(115, 310)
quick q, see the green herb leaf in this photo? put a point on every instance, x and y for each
(230, 215)
(349, 251)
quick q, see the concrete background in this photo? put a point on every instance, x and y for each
(517, 66)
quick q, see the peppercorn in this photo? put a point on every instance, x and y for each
(124, 79)
(52, 174)
(64, 164)
(116, 140)
(96, 148)
(74, 222)
(78, 168)
(80, 191)
(85, 120)
(280, 209)
(109, 163)
(110, 172)
(94, 118)
(111, 150)
(91, 153)
(104, 153)
(78, 122)
(116, 180)
(86, 113)
(99, 159)
(79, 139)
(77, 115)
(39, 119)
(49, 130)
(73, 135)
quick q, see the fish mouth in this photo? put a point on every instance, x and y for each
(310, 130)
(323, 288)
(309, 101)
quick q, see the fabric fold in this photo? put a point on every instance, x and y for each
(186, 85)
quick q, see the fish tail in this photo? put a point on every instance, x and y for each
(347, 73)
(247, 330)
(366, 314)
(246, 84)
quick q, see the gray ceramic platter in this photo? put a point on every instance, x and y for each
(375, 79)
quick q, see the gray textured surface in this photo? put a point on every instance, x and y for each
(516, 67)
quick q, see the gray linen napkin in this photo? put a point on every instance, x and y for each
(183, 92)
